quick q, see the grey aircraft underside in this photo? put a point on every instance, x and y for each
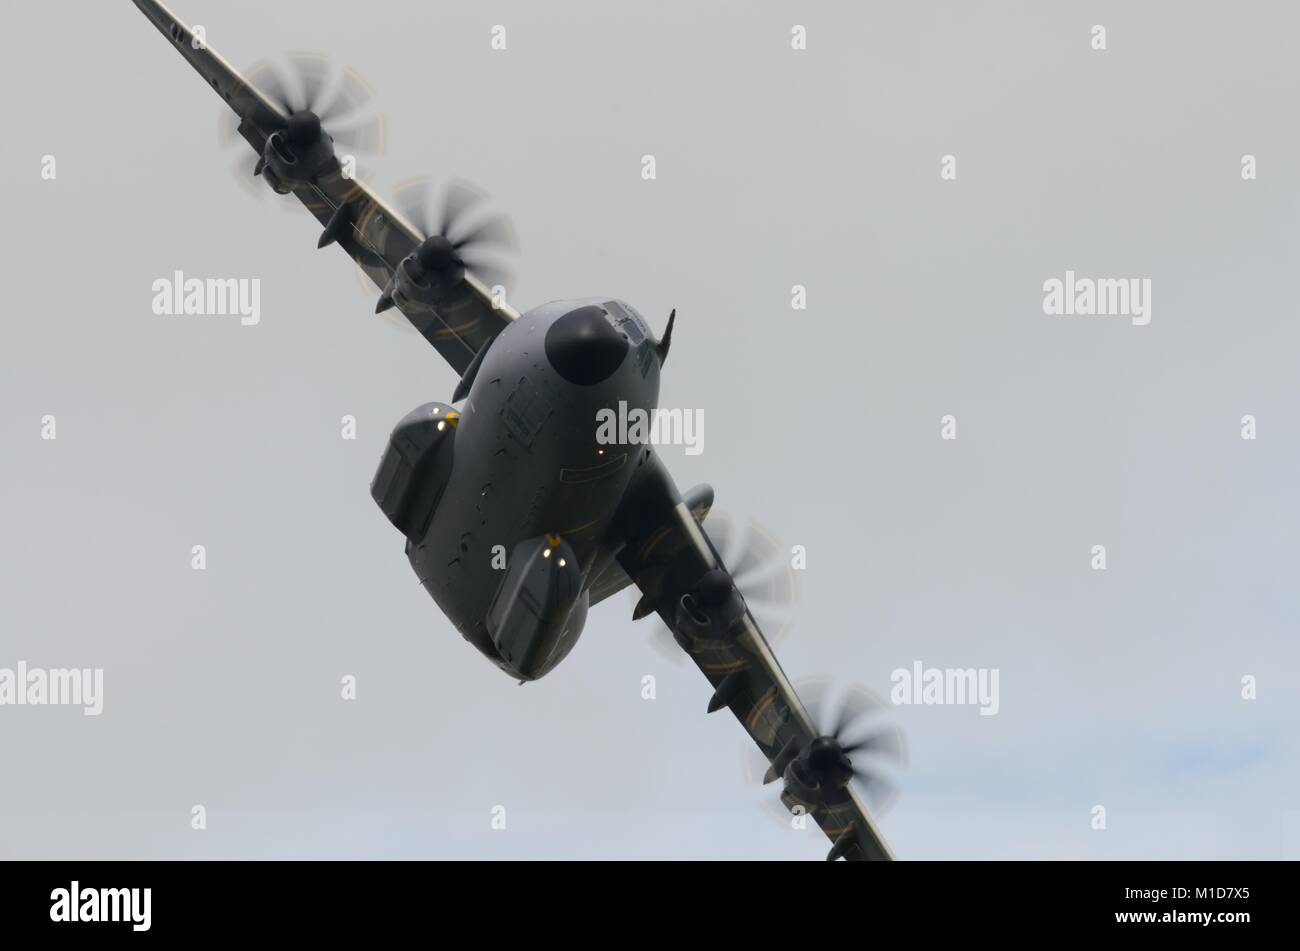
(519, 465)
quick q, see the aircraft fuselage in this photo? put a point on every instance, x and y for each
(517, 493)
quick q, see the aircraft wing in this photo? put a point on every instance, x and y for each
(373, 235)
(676, 563)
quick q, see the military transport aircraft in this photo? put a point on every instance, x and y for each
(519, 464)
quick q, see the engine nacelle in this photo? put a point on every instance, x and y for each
(540, 607)
(706, 617)
(409, 291)
(415, 467)
(819, 772)
(296, 154)
(428, 276)
(800, 790)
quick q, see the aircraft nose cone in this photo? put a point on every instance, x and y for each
(584, 348)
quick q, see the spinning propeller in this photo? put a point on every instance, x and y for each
(460, 238)
(316, 96)
(855, 746)
(459, 234)
(759, 564)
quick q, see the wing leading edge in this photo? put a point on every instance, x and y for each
(677, 561)
(375, 236)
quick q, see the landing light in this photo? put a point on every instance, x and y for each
(546, 553)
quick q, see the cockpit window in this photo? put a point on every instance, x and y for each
(626, 322)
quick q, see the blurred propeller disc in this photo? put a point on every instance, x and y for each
(857, 718)
(339, 96)
(484, 241)
(760, 566)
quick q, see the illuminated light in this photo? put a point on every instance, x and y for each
(547, 553)
(562, 562)
(600, 452)
(442, 424)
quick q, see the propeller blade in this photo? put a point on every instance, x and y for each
(495, 230)
(760, 565)
(815, 693)
(367, 135)
(411, 199)
(748, 564)
(854, 706)
(883, 742)
(271, 81)
(879, 792)
(312, 71)
(490, 273)
(456, 201)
